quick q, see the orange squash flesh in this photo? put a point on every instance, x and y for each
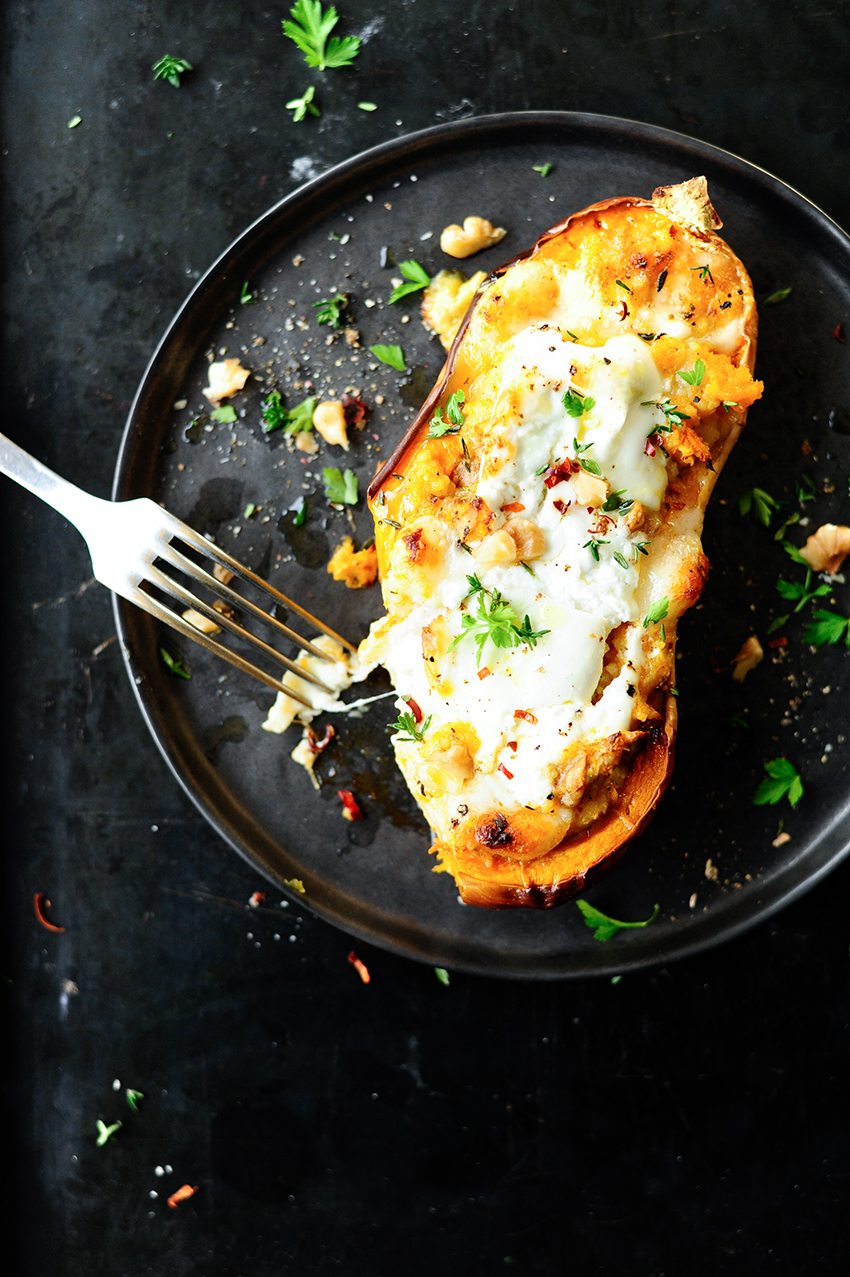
(667, 277)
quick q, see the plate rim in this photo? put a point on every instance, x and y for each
(628, 957)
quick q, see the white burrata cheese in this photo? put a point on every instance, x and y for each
(580, 588)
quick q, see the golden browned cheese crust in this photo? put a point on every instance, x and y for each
(622, 269)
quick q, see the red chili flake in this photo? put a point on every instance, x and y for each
(355, 411)
(414, 708)
(40, 904)
(360, 967)
(561, 506)
(256, 899)
(512, 744)
(649, 447)
(714, 661)
(485, 673)
(838, 334)
(526, 714)
(503, 769)
(314, 744)
(601, 526)
(622, 310)
(780, 642)
(558, 473)
(182, 1195)
(514, 507)
(350, 810)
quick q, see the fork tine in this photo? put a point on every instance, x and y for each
(156, 609)
(178, 591)
(182, 530)
(176, 559)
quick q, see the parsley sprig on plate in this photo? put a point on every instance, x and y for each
(341, 487)
(330, 311)
(171, 69)
(417, 278)
(452, 422)
(782, 780)
(603, 927)
(415, 731)
(310, 29)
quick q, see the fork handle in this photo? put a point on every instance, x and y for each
(65, 497)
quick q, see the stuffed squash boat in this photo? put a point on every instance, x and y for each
(538, 533)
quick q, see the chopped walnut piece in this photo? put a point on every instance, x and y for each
(529, 539)
(226, 377)
(329, 420)
(496, 550)
(223, 574)
(687, 204)
(747, 659)
(201, 622)
(636, 518)
(475, 234)
(827, 548)
(712, 873)
(589, 490)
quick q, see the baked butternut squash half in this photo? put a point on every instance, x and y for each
(538, 536)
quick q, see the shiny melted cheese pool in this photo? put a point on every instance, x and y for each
(581, 587)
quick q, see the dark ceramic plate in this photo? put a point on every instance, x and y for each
(347, 229)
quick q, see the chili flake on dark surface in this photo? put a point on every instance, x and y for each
(183, 1194)
(360, 967)
(40, 904)
(350, 810)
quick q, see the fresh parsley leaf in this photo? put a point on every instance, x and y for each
(392, 355)
(827, 627)
(246, 297)
(760, 504)
(367, 106)
(577, 404)
(310, 30)
(695, 375)
(330, 311)
(226, 414)
(300, 417)
(793, 553)
(543, 169)
(657, 612)
(105, 1132)
(779, 534)
(133, 1098)
(704, 272)
(805, 489)
(783, 780)
(417, 278)
(454, 412)
(273, 412)
(171, 69)
(249, 511)
(173, 664)
(778, 296)
(442, 974)
(603, 927)
(301, 106)
(299, 509)
(341, 488)
(496, 621)
(801, 590)
(415, 731)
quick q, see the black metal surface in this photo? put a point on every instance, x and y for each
(688, 1119)
(375, 879)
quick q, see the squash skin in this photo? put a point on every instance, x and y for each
(502, 881)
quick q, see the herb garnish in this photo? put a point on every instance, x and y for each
(577, 404)
(543, 169)
(603, 927)
(657, 612)
(341, 488)
(641, 547)
(778, 296)
(74, 121)
(496, 620)
(620, 284)
(619, 558)
(415, 731)
(662, 280)
(693, 376)
(590, 467)
(367, 106)
(674, 416)
(133, 1098)
(300, 106)
(173, 664)
(760, 504)
(417, 278)
(800, 590)
(615, 503)
(330, 311)
(475, 586)
(273, 412)
(392, 355)
(225, 415)
(454, 411)
(593, 546)
(783, 780)
(300, 417)
(246, 297)
(310, 30)
(105, 1132)
(805, 489)
(779, 534)
(704, 272)
(171, 69)
(827, 627)
(442, 974)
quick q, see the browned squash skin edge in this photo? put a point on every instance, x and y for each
(608, 837)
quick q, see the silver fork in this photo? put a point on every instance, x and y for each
(126, 538)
